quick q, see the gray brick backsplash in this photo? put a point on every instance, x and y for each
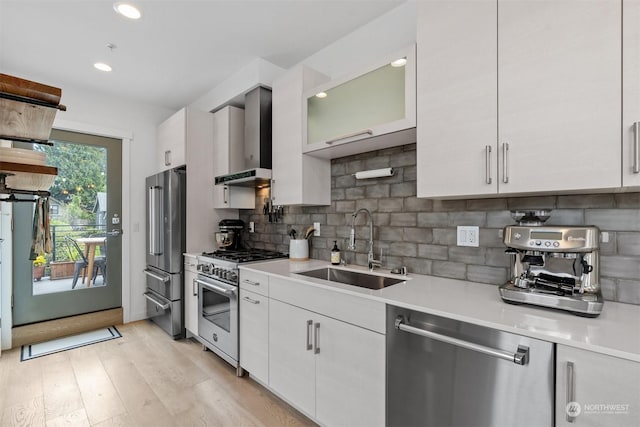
(415, 234)
(421, 233)
(433, 219)
(377, 191)
(620, 267)
(485, 274)
(628, 243)
(468, 218)
(413, 204)
(614, 219)
(438, 252)
(454, 270)
(586, 201)
(467, 255)
(628, 291)
(608, 288)
(627, 200)
(403, 189)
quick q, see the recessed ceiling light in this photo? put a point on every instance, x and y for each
(127, 10)
(321, 95)
(399, 62)
(102, 66)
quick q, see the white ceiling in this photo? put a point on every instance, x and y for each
(177, 51)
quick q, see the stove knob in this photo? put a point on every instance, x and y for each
(233, 277)
(225, 274)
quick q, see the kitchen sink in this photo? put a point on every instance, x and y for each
(363, 280)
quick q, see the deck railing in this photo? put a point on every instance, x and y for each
(60, 251)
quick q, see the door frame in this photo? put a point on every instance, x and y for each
(127, 137)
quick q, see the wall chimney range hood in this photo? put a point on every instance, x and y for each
(257, 143)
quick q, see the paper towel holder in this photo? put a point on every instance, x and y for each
(374, 173)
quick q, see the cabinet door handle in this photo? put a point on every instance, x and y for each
(167, 158)
(251, 282)
(309, 344)
(487, 164)
(636, 147)
(317, 338)
(252, 301)
(571, 392)
(350, 135)
(225, 192)
(505, 163)
(195, 288)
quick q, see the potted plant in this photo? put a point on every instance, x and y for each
(38, 267)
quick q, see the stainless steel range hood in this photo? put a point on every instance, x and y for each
(257, 142)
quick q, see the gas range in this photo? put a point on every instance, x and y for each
(223, 264)
(243, 255)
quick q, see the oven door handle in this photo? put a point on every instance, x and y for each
(148, 296)
(217, 288)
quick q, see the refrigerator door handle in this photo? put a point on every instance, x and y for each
(155, 220)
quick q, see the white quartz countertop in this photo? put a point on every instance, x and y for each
(616, 332)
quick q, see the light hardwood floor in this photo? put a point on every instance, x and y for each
(141, 379)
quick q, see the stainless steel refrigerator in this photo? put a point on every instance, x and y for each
(165, 245)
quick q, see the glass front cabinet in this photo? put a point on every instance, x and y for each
(364, 111)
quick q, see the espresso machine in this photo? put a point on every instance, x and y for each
(553, 266)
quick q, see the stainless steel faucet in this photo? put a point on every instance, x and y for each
(371, 261)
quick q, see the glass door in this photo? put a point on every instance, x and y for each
(83, 272)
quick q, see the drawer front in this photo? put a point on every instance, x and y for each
(347, 308)
(253, 281)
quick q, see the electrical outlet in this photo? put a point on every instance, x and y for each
(468, 235)
(316, 229)
(252, 227)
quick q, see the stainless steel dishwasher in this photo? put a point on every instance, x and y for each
(443, 372)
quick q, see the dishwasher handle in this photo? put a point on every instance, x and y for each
(520, 357)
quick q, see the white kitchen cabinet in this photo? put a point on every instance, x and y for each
(364, 111)
(331, 370)
(549, 120)
(298, 179)
(190, 294)
(254, 334)
(171, 143)
(228, 140)
(599, 390)
(292, 372)
(631, 94)
(202, 220)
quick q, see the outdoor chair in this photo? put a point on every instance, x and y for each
(82, 263)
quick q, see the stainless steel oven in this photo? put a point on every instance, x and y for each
(218, 303)
(218, 316)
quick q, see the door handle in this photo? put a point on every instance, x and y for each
(251, 300)
(216, 288)
(350, 135)
(520, 357)
(571, 393)
(487, 164)
(194, 288)
(116, 232)
(316, 338)
(309, 344)
(505, 163)
(636, 147)
(150, 273)
(156, 302)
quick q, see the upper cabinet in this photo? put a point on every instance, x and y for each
(298, 179)
(631, 94)
(363, 112)
(172, 141)
(228, 141)
(522, 99)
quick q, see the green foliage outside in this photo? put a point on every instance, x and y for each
(82, 173)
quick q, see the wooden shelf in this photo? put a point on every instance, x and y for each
(23, 177)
